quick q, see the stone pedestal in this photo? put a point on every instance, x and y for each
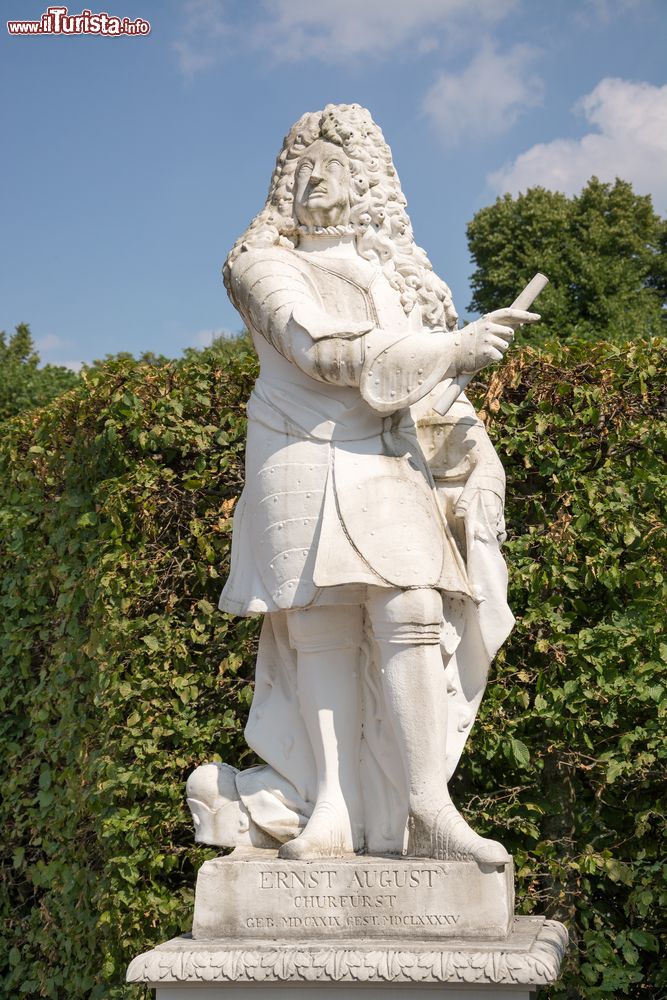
(387, 927)
(513, 968)
(252, 894)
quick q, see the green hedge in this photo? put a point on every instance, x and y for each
(118, 676)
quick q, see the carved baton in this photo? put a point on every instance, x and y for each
(456, 385)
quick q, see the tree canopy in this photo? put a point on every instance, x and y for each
(23, 384)
(603, 250)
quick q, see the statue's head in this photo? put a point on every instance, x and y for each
(335, 173)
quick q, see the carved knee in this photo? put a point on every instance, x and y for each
(406, 617)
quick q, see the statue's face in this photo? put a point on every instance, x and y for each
(322, 186)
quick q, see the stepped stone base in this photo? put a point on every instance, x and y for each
(389, 926)
(528, 957)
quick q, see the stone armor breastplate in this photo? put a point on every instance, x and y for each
(353, 289)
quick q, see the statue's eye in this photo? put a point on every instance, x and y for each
(304, 170)
(334, 164)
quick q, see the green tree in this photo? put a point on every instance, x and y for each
(604, 252)
(23, 384)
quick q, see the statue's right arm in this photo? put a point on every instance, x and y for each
(278, 301)
(267, 287)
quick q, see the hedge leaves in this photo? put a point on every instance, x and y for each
(118, 675)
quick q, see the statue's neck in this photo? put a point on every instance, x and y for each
(328, 243)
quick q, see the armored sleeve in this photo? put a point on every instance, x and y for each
(278, 300)
(400, 369)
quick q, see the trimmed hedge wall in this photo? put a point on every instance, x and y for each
(118, 676)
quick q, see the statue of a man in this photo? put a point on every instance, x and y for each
(379, 576)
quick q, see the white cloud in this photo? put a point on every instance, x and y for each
(191, 60)
(629, 141)
(203, 26)
(334, 30)
(49, 342)
(204, 338)
(330, 30)
(605, 11)
(51, 347)
(487, 97)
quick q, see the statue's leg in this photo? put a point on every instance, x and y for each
(327, 642)
(406, 627)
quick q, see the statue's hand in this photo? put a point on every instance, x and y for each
(487, 339)
(483, 515)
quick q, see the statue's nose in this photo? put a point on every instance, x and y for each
(317, 173)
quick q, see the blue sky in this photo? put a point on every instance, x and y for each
(130, 165)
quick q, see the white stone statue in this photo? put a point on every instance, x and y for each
(368, 532)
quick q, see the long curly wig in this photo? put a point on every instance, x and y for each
(378, 216)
